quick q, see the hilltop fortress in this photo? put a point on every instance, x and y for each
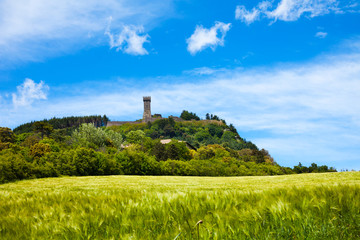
(147, 117)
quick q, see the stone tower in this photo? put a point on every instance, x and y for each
(147, 109)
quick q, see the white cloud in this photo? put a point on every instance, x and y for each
(203, 38)
(246, 16)
(321, 34)
(129, 40)
(32, 30)
(287, 10)
(28, 92)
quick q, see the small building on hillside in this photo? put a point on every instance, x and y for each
(188, 145)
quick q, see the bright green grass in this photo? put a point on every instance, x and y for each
(306, 206)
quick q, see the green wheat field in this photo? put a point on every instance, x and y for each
(305, 206)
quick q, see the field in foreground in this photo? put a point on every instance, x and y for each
(306, 206)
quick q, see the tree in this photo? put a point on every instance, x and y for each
(171, 121)
(177, 151)
(233, 129)
(189, 116)
(215, 118)
(30, 140)
(90, 136)
(215, 130)
(169, 130)
(228, 136)
(135, 136)
(104, 120)
(313, 167)
(113, 138)
(136, 162)
(6, 135)
(158, 150)
(39, 149)
(43, 128)
(204, 153)
(202, 135)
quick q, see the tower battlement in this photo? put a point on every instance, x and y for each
(147, 98)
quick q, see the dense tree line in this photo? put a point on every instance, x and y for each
(312, 168)
(63, 123)
(136, 149)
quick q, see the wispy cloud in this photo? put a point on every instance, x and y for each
(32, 30)
(28, 92)
(204, 71)
(241, 13)
(203, 38)
(287, 10)
(321, 34)
(129, 40)
(245, 15)
(291, 10)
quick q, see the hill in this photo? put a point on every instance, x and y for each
(162, 147)
(306, 206)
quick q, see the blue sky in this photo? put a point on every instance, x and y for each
(286, 73)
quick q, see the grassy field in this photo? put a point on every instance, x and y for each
(306, 206)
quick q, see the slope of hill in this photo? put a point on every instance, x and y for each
(135, 149)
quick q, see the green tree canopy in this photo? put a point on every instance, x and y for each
(43, 128)
(6, 135)
(186, 115)
(135, 136)
(90, 136)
